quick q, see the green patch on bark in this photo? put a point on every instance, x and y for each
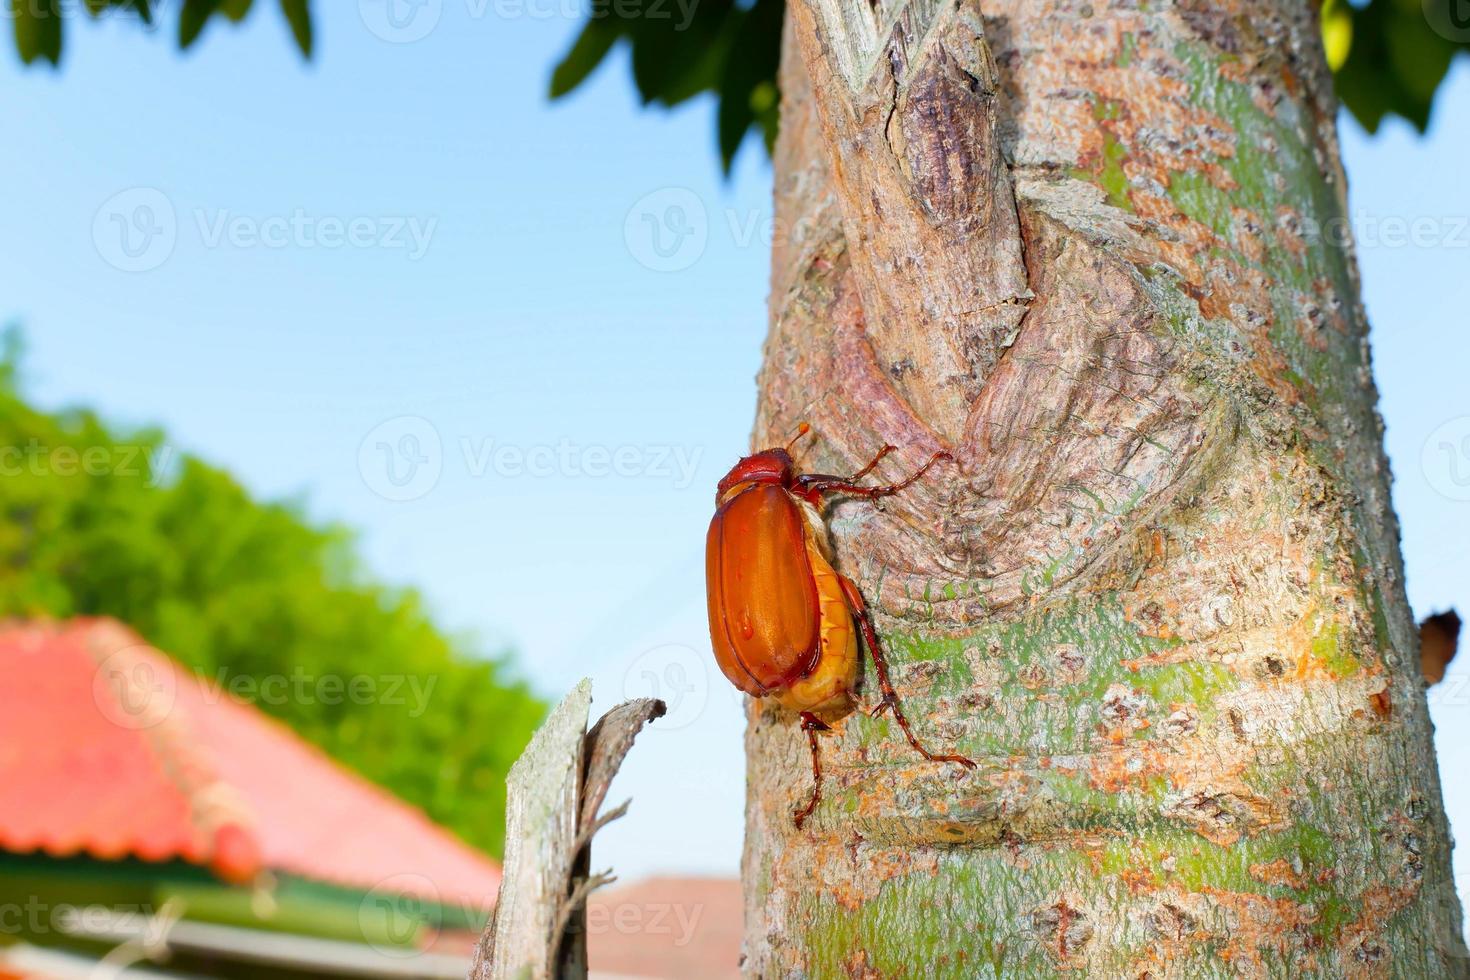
(1128, 48)
(1328, 647)
(979, 915)
(1047, 675)
(993, 912)
(1273, 190)
(1334, 644)
(1109, 173)
(1274, 178)
(944, 933)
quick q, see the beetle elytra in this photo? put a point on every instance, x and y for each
(781, 617)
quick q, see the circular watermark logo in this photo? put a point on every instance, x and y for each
(400, 915)
(402, 458)
(135, 230)
(1446, 459)
(1450, 19)
(667, 230)
(132, 691)
(675, 674)
(400, 21)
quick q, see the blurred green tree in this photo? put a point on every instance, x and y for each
(1389, 56)
(95, 520)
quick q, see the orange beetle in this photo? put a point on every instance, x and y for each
(780, 616)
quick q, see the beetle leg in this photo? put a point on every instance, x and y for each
(811, 724)
(818, 484)
(880, 666)
(872, 463)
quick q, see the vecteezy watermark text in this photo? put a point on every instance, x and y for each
(303, 230)
(137, 230)
(37, 917)
(406, 21)
(677, 920)
(403, 458)
(570, 459)
(670, 228)
(300, 687)
(134, 691)
(36, 458)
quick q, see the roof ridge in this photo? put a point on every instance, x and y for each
(218, 810)
(107, 624)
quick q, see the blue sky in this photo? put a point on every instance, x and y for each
(399, 285)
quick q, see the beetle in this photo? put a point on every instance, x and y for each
(781, 617)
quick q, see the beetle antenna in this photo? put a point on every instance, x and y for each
(801, 430)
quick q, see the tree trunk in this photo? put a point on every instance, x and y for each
(1098, 250)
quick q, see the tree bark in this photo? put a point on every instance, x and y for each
(1097, 250)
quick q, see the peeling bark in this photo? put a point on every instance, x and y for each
(1097, 251)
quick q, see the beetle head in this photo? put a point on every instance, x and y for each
(767, 466)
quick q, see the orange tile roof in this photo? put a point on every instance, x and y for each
(111, 749)
(667, 928)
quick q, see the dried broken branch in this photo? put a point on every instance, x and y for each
(557, 788)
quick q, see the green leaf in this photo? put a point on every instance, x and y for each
(37, 30)
(733, 122)
(587, 52)
(193, 18)
(679, 50)
(298, 15)
(235, 10)
(143, 8)
(1418, 56)
(1394, 63)
(683, 48)
(140, 7)
(748, 93)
